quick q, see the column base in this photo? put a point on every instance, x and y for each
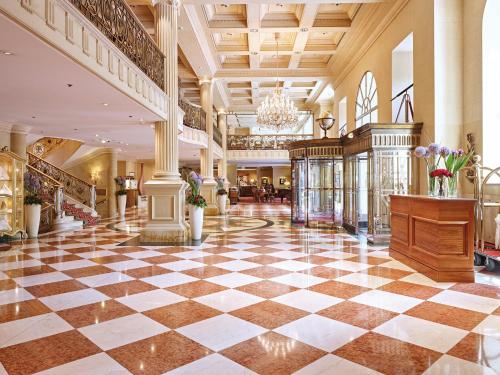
(208, 192)
(166, 216)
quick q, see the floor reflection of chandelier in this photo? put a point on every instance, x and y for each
(277, 111)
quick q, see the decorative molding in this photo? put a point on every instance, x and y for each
(256, 155)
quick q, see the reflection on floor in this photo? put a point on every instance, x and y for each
(271, 300)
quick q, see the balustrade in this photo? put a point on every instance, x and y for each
(264, 142)
(73, 186)
(194, 116)
(117, 21)
(217, 136)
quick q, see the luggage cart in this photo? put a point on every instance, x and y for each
(484, 253)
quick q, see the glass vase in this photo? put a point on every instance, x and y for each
(441, 187)
(453, 185)
(431, 182)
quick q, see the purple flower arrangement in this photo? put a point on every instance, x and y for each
(195, 181)
(33, 188)
(120, 181)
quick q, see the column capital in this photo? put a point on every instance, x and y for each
(206, 81)
(174, 3)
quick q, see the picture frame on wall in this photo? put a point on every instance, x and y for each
(264, 181)
(282, 180)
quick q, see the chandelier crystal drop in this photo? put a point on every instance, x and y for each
(277, 111)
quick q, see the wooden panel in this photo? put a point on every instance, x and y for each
(399, 227)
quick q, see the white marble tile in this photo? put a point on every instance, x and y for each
(182, 265)
(418, 278)
(284, 246)
(466, 301)
(221, 332)
(14, 295)
(399, 266)
(240, 254)
(287, 254)
(380, 254)
(32, 328)
(241, 246)
(430, 335)
(47, 254)
(144, 254)
(293, 265)
(101, 364)
(20, 264)
(331, 364)
(387, 301)
(43, 278)
(192, 254)
(307, 300)
(104, 279)
(361, 279)
(237, 265)
(73, 299)
(64, 266)
(3, 276)
(489, 327)
(245, 239)
(321, 332)
(228, 300)
(214, 364)
(347, 265)
(96, 254)
(150, 300)
(328, 246)
(169, 279)
(121, 331)
(333, 254)
(127, 265)
(449, 365)
(299, 280)
(233, 279)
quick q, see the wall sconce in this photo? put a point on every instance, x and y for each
(95, 176)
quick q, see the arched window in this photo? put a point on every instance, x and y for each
(491, 83)
(367, 101)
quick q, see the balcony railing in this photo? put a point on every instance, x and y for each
(217, 136)
(117, 21)
(194, 116)
(264, 142)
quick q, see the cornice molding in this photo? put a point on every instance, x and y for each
(88, 156)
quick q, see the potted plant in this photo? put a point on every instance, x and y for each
(196, 205)
(221, 195)
(454, 162)
(122, 195)
(32, 203)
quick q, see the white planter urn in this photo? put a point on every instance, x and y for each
(221, 202)
(32, 219)
(196, 222)
(122, 203)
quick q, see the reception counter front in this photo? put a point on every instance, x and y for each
(434, 236)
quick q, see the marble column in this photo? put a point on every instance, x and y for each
(166, 189)
(18, 140)
(207, 156)
(111, 188)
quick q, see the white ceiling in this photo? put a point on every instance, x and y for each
(34, 91)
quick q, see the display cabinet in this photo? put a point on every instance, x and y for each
(317, 183)
(12, 169)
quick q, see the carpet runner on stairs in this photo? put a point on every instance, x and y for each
(80, 214)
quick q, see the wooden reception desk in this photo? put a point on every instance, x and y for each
(434, 236)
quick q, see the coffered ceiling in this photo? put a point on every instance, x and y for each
(239, 41)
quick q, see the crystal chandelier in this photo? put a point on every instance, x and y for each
(277, 112)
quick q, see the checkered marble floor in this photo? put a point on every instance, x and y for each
(277, 300)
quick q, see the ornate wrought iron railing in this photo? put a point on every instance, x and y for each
(194, 116)
(120, 25)
(264, 142)
(217, 136)
(73, 186)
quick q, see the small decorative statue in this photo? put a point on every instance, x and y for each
(497, 233)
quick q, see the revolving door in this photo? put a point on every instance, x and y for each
(317, 183)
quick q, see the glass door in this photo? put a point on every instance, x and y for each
(298, 191)
(320, 212)
(362, 192)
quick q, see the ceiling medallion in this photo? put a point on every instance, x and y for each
(277, 111)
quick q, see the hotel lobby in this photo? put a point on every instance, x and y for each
(249, 187)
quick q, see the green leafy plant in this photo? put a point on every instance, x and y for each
(220, 186)
(195, 181)
(120, 181)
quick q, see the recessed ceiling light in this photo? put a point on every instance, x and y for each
(254, 53)
(130, 116)
(297, 52)
(103, 141)
(69, 84)
(253, 30)
(224, 5)
(6, 53)
(230, 34)
(152, 126)
(304, 29)
(279, 5)
(97, 135)
(33, 116)
(75, 129)
(105, 104)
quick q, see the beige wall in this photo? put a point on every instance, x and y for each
(232, 174)
(281, 171)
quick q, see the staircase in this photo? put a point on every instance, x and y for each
(71, 200)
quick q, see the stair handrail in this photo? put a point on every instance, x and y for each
(55, 194)
(75, 187)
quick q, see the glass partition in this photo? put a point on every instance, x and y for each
(298, 191)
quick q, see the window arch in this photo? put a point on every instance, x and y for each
(367, 100)
(491, 83)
